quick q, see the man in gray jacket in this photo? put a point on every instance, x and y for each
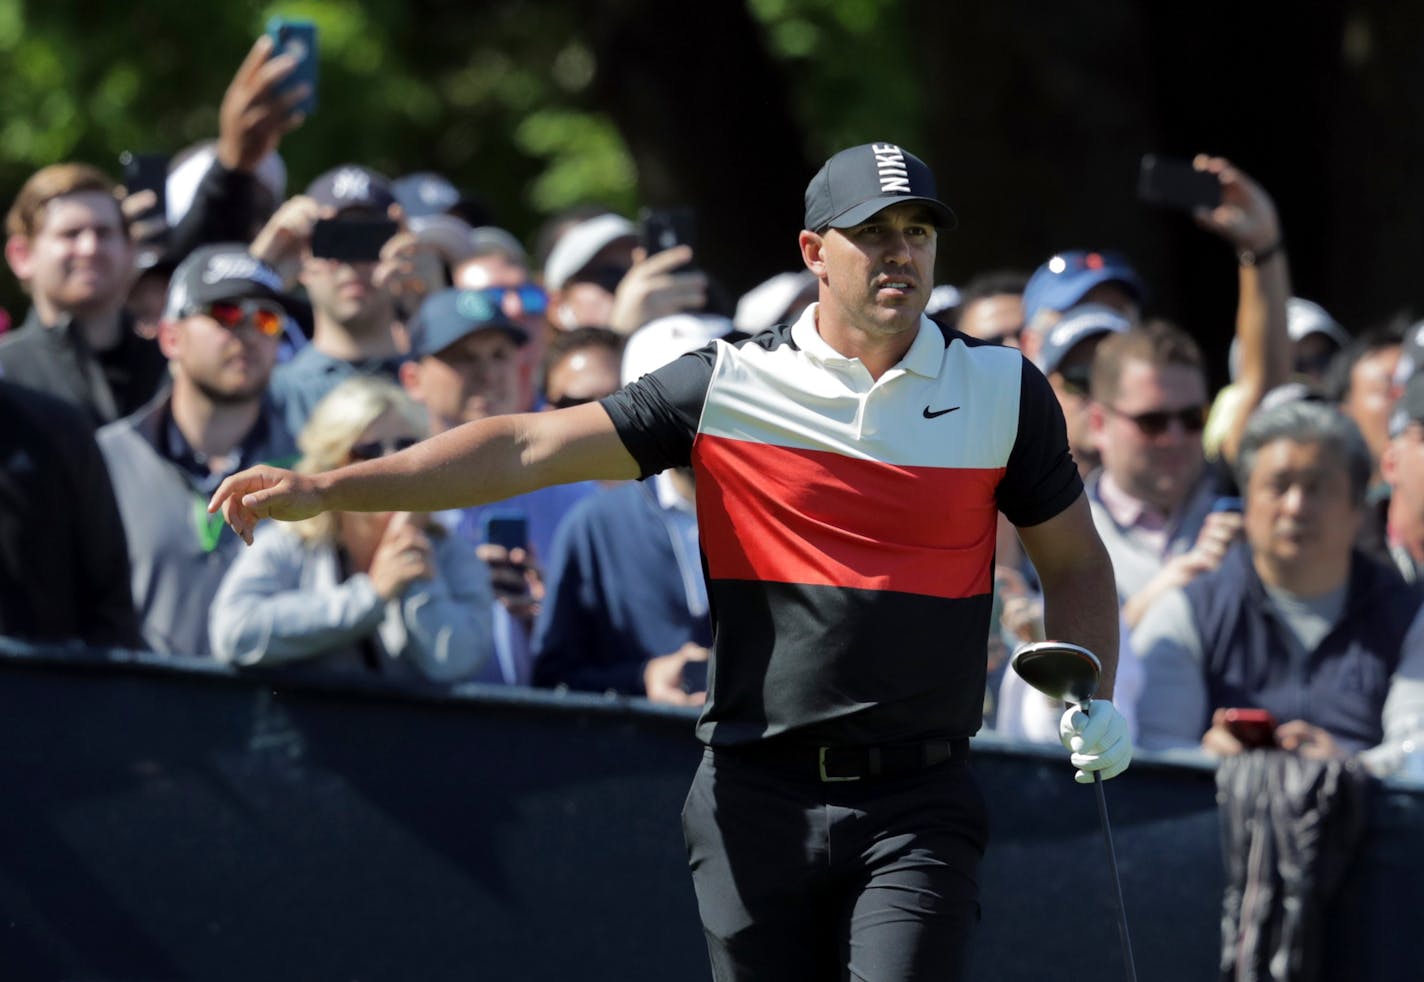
(222, 322)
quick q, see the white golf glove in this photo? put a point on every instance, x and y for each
(1098, 740)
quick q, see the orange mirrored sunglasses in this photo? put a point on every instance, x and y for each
(232, 313)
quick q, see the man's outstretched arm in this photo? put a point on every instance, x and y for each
(478, 462)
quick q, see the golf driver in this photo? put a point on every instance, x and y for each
(1070, 673)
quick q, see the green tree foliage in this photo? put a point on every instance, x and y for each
(499, 96)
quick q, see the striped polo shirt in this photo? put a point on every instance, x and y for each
(847, 523)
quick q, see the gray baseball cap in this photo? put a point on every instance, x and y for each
(856, 183)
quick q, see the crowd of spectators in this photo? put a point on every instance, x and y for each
(1267, 539)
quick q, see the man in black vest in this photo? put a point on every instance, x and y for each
(1296, 620)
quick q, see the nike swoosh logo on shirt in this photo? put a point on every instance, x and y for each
(938, 412)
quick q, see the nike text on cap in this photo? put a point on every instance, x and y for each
(856, 183)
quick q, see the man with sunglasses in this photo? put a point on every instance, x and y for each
(497, 266)
(1155, 498)
(222, 323)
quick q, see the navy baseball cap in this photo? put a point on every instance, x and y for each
(447, 316)
(1067, 277)
(856, 183)
(425, 193)
(1078, 324)
(352, 186)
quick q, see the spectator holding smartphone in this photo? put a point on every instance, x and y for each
(383, 593)
(355, 326)
(1296, 620)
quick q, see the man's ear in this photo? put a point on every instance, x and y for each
(170, 338)
(19, 256)
(812, 251)
(1389, 464)
(1097, 418)
(409, 375)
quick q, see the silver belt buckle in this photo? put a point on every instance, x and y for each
(826, 777)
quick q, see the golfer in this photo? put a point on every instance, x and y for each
(849, 471)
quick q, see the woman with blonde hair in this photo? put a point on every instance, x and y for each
(357, 592)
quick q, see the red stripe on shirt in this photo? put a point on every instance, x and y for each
(808, 516)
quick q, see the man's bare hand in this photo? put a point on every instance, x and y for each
(287, 233)
(254, 117)
(1246, 216)
(1218, 532)
(1308, 740)
(138, 204)
(662, 676)
(653, 288)
(404, 555)
(261, 492)
(515, 577)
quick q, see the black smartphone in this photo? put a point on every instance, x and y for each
(297, 38)
(146, 172)
(694, 676)
(352, 238)
(507, 529)
(1176, 183)
(659, 229)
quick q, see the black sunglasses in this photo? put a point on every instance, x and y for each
(1155, 423)
(372, 449)
(1077, 378)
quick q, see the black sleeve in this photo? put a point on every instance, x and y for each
(657, 415)
(1041, 478)
(224, 209)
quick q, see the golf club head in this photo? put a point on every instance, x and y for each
(1059, 670)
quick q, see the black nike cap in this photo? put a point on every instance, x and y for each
(856, 183)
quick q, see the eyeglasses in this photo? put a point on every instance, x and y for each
(1155, 423)
(231, 314)
(532, 298)
(375, 449)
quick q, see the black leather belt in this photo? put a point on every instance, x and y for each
(856, 763)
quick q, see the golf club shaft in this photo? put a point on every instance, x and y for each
(1117, 883)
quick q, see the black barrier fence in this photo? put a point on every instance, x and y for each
(166, 819)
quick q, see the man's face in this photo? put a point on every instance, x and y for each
(1146, 445)
(1299, 510)
(509, 283)
(80, 259)
(476, 377)
(876, 277)
(346, 294)
(1371, 396)
(997, 318)
(1403, 467)
(226, 365)
(582, 375)
(1070, 385)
